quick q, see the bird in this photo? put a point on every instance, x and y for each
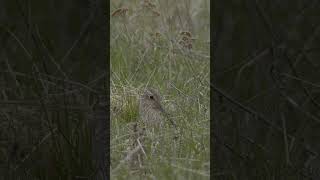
(151, 111)
(151, 118)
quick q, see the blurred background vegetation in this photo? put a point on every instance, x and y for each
(266, 89)
(163, 44)
(53, 121)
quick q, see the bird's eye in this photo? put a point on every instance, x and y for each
(151, 97)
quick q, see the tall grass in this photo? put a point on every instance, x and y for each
(50, 119)
(163, 44)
